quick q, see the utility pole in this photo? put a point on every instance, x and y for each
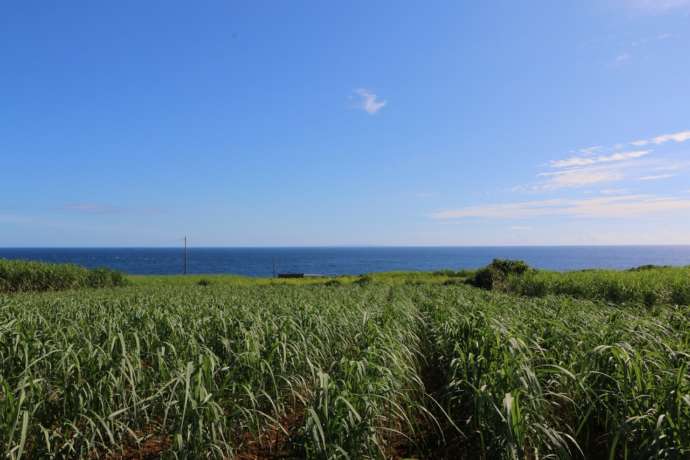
(184, 268)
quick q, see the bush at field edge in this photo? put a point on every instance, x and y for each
(22, 275)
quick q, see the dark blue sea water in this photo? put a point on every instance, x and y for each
(334, 261)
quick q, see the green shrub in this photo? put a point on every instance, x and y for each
(496, 274)
(650, 298)
(648, 286)
(530, 286)
(104, 277)
(680, 294)
(486, 278)
(203, 282)
(642, 268)
(332, 283)
(509, 267)
(21, 275)
(363, 280)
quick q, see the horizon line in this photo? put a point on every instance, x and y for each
(357, 246)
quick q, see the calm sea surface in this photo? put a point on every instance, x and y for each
(334, 261)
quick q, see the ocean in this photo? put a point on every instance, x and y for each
(349, 260)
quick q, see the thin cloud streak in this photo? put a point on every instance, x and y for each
(591, 150)
(679, 137)
(588, 168)
(657, 177)
(573, 178)
(586, 161)
(613, 191)
(601, 207)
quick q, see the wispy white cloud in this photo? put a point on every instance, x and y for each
(368, 101)
(586, 176)
(581, 177)
(505, 210)
(521, 228)
(657, 177)
(613, 191)
(589, 160)
(590, 150)
(600, 207)
(681, 136)
(598, 165)
(677, 137)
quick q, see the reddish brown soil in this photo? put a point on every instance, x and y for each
(152, 446)
(276, 442)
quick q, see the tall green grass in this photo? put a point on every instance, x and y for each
(206, 369)
(563, 378)
(21, 275)
(380, 369)
(649, 287)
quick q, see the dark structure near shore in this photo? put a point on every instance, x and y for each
(290, 275)
(299, 275)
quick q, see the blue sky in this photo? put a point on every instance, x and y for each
(349, 123)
